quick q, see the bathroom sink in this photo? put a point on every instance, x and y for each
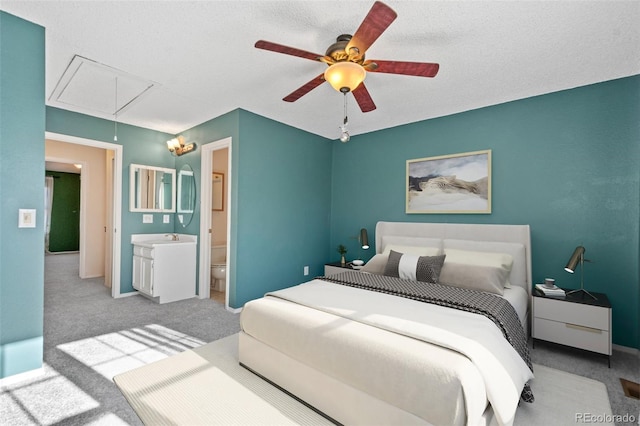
(164, 266)
(149, 240)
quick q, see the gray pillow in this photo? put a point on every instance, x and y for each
(375, 265)
(475, 277)
(413, 267)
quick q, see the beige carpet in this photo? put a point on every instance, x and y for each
(207, 386)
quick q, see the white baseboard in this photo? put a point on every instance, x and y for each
(626, 349)
(132, 293)
(234, 310)
(17, 378)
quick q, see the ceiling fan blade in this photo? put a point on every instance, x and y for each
(363, 98)
(309, 86)
(419, 69)
(279, 48)
(377, 20)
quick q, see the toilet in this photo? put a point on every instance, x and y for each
(219, 268)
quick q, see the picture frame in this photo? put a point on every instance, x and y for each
(217, 201)
(455, 183)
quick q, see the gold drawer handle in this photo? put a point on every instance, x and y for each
(583, 328)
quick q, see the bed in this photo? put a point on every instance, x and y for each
(364, 347)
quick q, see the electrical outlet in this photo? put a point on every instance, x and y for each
(165, 219)
(147, 218)
(306, 270)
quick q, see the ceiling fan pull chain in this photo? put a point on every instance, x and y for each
(345, 109)
(344, 136)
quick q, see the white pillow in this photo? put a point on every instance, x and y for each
(518, 275)
(401, 241)
(471, 257)
(501, 261)
(417, 250)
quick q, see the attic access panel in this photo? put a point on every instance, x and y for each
(91, 87)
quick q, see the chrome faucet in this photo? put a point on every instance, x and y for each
(174, 237)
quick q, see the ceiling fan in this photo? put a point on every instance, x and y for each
(346, 59)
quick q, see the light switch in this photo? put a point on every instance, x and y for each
(26, 218)
(166, 219)
(147, 218)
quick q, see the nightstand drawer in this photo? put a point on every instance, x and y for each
(591, 339)
(574, 313)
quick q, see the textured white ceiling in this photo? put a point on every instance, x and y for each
(201, 55)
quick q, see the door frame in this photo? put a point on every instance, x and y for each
(206, 169)
(117, 202)
(82, 218)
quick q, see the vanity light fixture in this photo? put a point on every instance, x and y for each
(178, 147)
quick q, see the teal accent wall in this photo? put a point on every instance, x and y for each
(22, 122)
(280, 202)
(140, 146)
(565, 163)
(222, 127)
(284, 182)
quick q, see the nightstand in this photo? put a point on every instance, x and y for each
(336, 268)
(576, 320)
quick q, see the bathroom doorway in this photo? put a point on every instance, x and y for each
(215, 220)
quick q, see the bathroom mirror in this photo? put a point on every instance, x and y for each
(186, 195)
(152, 189)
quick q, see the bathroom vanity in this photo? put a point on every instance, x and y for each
(164, 266)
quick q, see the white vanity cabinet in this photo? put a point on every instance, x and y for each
(164, 269)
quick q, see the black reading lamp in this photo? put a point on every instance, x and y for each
(578, 258)
(363, 238)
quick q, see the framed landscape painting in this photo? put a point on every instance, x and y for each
(457, 183)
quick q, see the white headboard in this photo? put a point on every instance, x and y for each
(519, 234)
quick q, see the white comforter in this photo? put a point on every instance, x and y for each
(475, 336)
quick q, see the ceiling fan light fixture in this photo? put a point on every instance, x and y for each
(345, 76)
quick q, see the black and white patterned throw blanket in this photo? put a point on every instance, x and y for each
(491, 306)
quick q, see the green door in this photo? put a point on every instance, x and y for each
(64, 234)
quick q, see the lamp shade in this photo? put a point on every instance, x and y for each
(178, 147)
(364, 238)
(173, 144)
(345, 76)
(574, 261)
